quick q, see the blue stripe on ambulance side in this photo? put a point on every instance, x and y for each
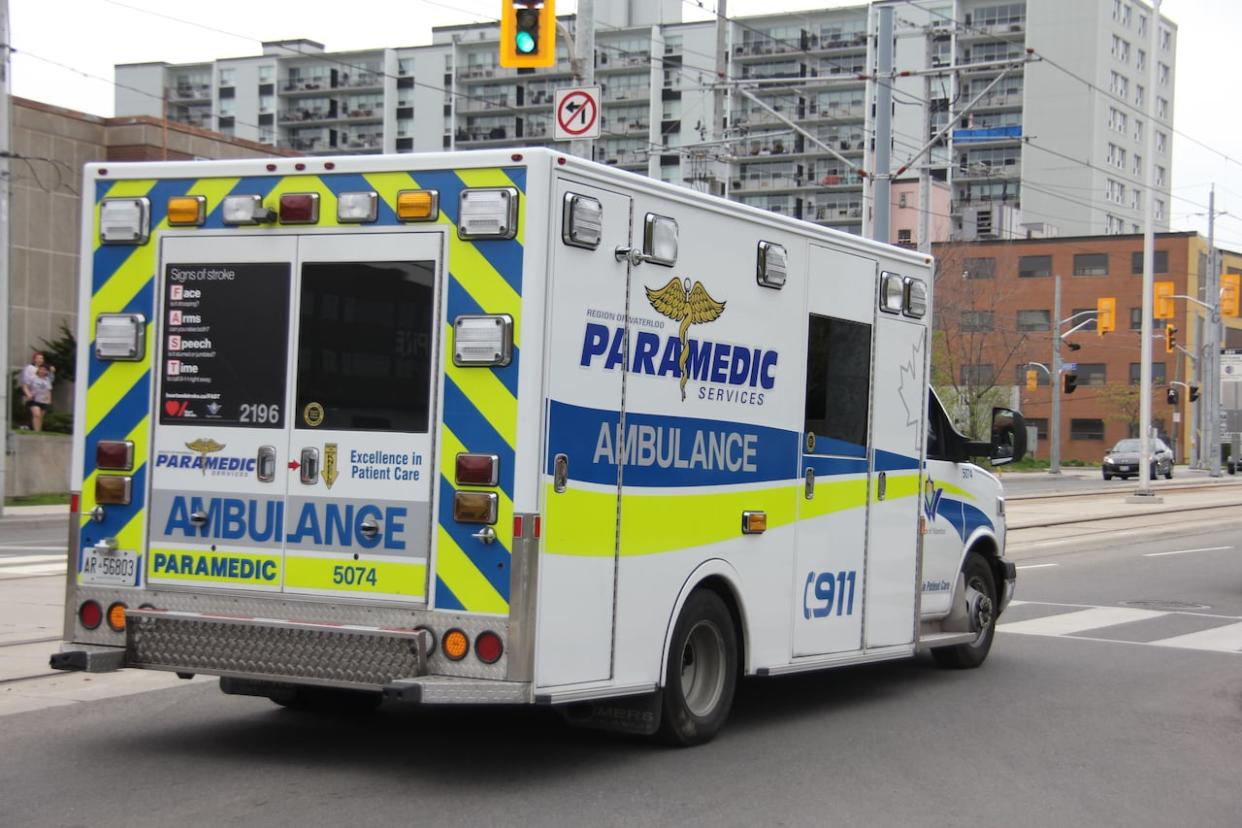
(461, 303)
(120, 420)
(445, 599)
(102, 188)
(449, 187)
(887, 461)
(476, 433)
(828, 466)
(106, 260)
(492, 559)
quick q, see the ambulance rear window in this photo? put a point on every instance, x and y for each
(365, 343)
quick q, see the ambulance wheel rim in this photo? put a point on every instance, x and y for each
(702, 668)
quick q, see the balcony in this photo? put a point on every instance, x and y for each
(766, 47)
(190, 92)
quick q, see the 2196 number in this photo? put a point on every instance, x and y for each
(259, 413)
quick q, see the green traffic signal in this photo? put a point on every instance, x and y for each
(525, 43)
(526, 38)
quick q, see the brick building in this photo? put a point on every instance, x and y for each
(994, 315)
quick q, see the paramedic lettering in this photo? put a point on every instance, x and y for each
(709, 362)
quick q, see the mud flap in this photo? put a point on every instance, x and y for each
(637, 715)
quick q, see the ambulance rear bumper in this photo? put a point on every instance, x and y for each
(301, 652)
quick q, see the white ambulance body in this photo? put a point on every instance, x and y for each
(509, 427)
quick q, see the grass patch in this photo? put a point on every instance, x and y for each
(44, 499)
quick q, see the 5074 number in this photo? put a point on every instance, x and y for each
(261, 413)
(826, 591)
(354, 575)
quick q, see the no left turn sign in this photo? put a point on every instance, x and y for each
(577, 114)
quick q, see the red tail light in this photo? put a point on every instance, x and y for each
(488, 647)
(90, 614)
(477, 469)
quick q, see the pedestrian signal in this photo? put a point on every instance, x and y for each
(1170, 338)
(1032, 379)
(1105, 315)
(1069, 381)
(1163, 308)
(1172, 396)
(527, 33)
(1230, 288)
(1194, 393)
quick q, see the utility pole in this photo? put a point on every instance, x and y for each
(722, 70)
(925, 177)
(881, 191)
(1209, 376)
(1144, 493)
(585, 40)
(5, 190)
(1054, 448)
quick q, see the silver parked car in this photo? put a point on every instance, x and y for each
(1123, 459)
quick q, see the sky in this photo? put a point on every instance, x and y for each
(65, 51)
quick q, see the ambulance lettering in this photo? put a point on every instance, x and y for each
(830, 591)
(216, 567)
(318, 523)
(653, 445)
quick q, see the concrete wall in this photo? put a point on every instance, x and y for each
(38, 464)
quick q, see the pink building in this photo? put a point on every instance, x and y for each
(904, 217)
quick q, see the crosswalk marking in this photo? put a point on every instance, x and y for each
(1186, 551)
(1226, 639)
(1088, 623)
(1067, 623)
(24, 566)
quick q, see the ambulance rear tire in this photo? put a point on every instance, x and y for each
(967, 656)
(702, 671)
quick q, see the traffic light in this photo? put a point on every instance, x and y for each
(1163, 308)
(1194, 393)
(527, 33)
(1069, 381)
(1105, 315)
(1170, 338)
(1230, 288)
(1032, 379)
(1172, 396)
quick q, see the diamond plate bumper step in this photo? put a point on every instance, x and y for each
(450, 690)
(302, 651)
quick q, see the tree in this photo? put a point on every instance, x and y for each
(975, 340)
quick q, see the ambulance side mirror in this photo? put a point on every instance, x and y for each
(1008, 437)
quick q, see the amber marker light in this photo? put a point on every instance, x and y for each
(455, 645)
(475, 507)
(418, 205)
(186, 211)
(754, 523)
(116, 617)
(113, 490)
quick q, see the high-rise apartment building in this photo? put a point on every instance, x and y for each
(1053, 143)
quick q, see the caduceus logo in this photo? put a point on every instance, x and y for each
(688, 305)
(204, 446)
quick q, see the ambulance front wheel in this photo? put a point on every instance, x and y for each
(980, 579)
(702, 671)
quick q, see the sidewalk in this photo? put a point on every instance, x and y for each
(1054, 510)
(35, 517)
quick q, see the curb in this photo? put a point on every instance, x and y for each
(40, 522)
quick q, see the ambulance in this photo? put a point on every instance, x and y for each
(509, 427)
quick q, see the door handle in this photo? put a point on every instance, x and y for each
(309, 470)
(487, 534)
(560, 473)
(198, 518)
(810, 484)
(265, 466)
(368, 528)
(881, 486)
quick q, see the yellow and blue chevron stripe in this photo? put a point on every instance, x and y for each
(480, 405)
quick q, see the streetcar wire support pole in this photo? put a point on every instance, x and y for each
(882, 171)
(1212, 336)
(6, 189)
(746, 93)
(1054, 448)
(1144, 493)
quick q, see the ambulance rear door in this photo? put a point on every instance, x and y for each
(292, 430)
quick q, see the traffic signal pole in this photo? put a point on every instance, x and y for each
(1054, 451)
(1144, 492)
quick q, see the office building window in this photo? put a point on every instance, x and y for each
(1034, 266)
(1034, 320)
(976, 321)
(1158, 376)
(1090, 264)
(983, 268)
(1086, 429)
(1092, 373)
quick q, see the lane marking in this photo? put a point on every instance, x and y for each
(1034, 566)
(1226, 639)
(28, 559)
(1186, 551)
(1080, 621)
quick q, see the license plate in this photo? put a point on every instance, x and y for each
(1123, 468)
(116, 568)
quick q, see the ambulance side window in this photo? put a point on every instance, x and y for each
(365, 343)
(938, 437)
(838, 385)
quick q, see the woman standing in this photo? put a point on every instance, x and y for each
(36, 382)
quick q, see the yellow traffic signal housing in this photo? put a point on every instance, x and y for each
(1230, 288)
(1032, 379)
(1170, 338)
(527, 33)
(1164, 301)
(1105, 315)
